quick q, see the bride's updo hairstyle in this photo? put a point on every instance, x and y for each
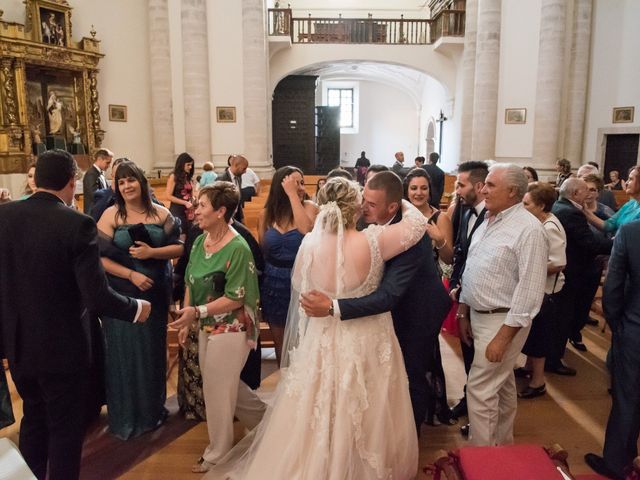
(348, 198)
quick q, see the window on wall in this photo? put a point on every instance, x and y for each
(343, 94)
(343, 98)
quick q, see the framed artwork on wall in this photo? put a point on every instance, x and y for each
(117, 113)
(226, 114)
(515, 115)
(52, 22)
(623, 114)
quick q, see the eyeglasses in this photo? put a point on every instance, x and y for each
(592, 189)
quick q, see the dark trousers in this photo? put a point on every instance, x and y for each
(561, 324)
(586, 291)
(54, 423)
(623, 427)
(416, 353)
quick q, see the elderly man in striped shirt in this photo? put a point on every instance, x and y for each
(501, 292)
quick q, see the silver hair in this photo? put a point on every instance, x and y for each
(514, 177)
(586, 170)
(569, 187)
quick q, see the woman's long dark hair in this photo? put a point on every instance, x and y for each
(179, 173)
(417, 172)
(277, 209)
(129, 169)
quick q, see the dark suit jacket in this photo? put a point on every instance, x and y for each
(582, 244)
(437, 183)
(461, 246)
(52, 285)
(411, 288)
(226, 177)
(90, 183)
(399, 169)
(621, 293)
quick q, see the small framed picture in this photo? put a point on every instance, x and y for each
(117, 113)
(623, 114)
(226, 114)
(515, 115)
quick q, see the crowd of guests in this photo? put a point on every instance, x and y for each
(521, 260)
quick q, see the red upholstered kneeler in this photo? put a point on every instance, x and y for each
(509, 462)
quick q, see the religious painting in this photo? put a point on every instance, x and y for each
(53, 27)
(226, 114)
(515, 115)
(623, 114)
(117, 113)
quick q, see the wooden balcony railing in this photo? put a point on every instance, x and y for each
(366, 30)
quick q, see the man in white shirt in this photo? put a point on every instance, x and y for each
(250, 185)
(502, 290)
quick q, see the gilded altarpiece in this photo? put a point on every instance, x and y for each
(48, 86)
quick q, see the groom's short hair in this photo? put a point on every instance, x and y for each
(390, 183)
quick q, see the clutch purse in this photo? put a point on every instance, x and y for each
(139, 233)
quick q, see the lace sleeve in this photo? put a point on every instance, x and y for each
(401, 236)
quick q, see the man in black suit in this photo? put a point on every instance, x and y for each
(582, 248)
(398, 167)
(437, 179)
(94, 178)
(237, 166)
(469, 185)
(621, 303)
(51, 287)
(410, 288)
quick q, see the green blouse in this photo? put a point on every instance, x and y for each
(230, 272)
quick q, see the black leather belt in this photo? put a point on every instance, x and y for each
(495, 310)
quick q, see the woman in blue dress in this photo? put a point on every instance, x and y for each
(137, 241)
(286, 219)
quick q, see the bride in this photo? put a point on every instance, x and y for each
(342, 408)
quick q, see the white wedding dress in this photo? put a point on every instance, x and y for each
(342, 408)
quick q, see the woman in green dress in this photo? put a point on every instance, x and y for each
(222, 300)
(137, 241)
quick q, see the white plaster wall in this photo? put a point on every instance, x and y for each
(615, 71)
(121, 27)
(389, 122)
(519, 41)
(226, 77)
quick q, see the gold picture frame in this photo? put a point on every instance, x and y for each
(515, 116)
(117, 113)
(623, 114)
(226, 114)
(52, 22)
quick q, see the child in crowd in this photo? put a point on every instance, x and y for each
(208, 176)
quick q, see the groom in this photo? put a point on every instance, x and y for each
(410, 288)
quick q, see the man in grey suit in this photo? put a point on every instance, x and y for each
(621, 303)
(398, 167)
(94, 178)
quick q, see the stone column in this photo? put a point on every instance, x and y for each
(161, 95)
(578, 75)
(195, 65)
(468, 79)
(255, 58)
(485, 99)
(549, 83)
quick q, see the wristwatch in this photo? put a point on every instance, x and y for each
(202, 310)
(331, 311)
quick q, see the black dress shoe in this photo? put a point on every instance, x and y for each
(592, 321)
(578, 345)
(464, 430)
(599, 466)
(533, 392)
(460, 409)
(561, 369)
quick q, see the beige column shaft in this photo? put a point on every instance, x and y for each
(468, 80)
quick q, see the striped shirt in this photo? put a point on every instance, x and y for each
(507, 266)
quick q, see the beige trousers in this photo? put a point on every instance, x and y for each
(491, 387)
(222, 358)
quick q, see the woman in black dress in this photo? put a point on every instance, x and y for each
(180, 191)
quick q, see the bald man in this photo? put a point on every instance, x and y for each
(237, 167)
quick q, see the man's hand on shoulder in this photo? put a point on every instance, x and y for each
(315, 304)
(145, 312)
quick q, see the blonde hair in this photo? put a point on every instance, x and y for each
(346, 195)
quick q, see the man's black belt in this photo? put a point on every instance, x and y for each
(495, 310)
